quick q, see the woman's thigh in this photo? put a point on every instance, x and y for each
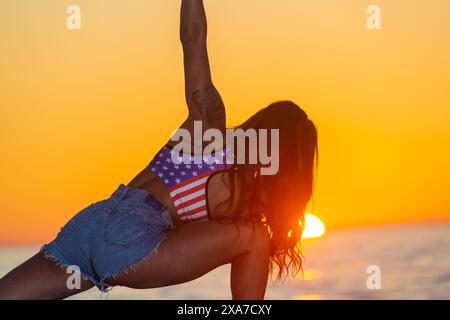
(39, 278)
(191, 251)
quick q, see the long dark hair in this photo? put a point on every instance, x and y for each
(280, 201)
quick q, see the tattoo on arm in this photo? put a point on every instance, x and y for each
(209, 103)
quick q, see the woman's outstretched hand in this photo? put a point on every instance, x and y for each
(193, 21)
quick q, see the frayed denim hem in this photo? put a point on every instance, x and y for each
(62, 262)
(104, 287)
(133, 267)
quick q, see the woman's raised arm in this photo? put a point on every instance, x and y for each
(203, 99)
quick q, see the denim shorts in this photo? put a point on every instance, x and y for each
(112, 236)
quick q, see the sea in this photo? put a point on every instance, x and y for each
(407, 262)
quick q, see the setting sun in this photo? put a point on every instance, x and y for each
(314, 228)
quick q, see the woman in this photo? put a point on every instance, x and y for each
(171, 224)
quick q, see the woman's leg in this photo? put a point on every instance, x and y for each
(38, 278)
(193, 250)
(189, 252)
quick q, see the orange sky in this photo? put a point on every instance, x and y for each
(83, 111)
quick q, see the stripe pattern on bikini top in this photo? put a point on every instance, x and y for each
(186, 182)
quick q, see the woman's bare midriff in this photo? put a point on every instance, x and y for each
(148, 181)
(218, 191)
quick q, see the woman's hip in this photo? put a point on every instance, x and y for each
(112, 235)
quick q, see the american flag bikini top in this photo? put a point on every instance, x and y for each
(187, 181)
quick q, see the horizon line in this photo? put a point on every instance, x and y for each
(380, 225)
